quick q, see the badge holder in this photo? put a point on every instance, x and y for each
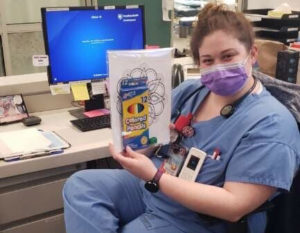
(174, 162)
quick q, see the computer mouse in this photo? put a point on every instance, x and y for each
(32, 120)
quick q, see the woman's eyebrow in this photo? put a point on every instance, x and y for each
(229, 50)
(222, 52)
(205, 55)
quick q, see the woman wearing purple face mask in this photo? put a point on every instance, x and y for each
(251, 155)
(225, 79)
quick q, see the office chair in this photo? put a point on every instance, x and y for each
(285, 216)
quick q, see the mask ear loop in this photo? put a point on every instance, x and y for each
(229, 109)
(246, 59)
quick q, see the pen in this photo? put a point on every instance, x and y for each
(41, 153)
(34, 155)
(11, 158)
(216, 154)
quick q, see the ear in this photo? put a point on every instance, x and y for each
(253, 54)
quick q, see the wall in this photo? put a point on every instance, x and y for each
(158, 32)
(36, 92)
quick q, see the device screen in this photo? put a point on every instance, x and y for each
(77, 40)
(192, 164)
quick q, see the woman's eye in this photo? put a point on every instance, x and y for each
(227, 57)
(207, 61)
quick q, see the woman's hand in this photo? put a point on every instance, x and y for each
(136, 163)
(172, 126)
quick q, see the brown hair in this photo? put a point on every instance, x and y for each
(217, 17)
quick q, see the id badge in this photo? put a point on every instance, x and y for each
(173, 164)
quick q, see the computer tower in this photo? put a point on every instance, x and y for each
(287, 65)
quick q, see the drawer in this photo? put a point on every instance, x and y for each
(30, 201)
(53, 224)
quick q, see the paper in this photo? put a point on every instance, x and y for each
(23, 141)
(40, 60)
(167, 5)
(60, 89)
(154, 64)
(107, 102)
(98, 87)
(80, 91)
(28, 143)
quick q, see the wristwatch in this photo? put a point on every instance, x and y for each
(152, 185)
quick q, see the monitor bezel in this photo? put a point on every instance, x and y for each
(108, 7)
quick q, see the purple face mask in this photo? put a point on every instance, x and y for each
(225, 79)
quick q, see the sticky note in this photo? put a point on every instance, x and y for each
(152, 47)
(98, 88)
(60, 89)
(80, 91)
(96, 112)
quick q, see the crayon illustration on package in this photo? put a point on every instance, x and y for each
(135, 112)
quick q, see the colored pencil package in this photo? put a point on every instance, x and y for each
(135, 112)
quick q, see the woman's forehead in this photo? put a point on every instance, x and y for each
(220, 41)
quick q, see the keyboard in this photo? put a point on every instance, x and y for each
(92, 123)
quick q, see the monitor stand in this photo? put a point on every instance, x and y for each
(96, 102)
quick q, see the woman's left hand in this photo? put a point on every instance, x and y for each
(136, 163)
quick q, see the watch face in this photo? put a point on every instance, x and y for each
(151, 186)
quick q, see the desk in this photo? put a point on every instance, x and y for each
(30, 190)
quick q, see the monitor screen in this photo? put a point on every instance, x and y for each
(76, 39)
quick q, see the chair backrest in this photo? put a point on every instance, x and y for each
(283, 211)
(285, 216)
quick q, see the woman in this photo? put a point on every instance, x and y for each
(256, 146)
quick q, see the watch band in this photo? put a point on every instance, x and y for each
(158, 174)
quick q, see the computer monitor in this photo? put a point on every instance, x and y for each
(77, 39)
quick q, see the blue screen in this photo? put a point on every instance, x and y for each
(77, 40)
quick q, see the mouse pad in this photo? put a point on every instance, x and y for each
(12, 109)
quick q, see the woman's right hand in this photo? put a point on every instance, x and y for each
(173, 133)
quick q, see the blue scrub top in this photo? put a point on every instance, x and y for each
(259, 143)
